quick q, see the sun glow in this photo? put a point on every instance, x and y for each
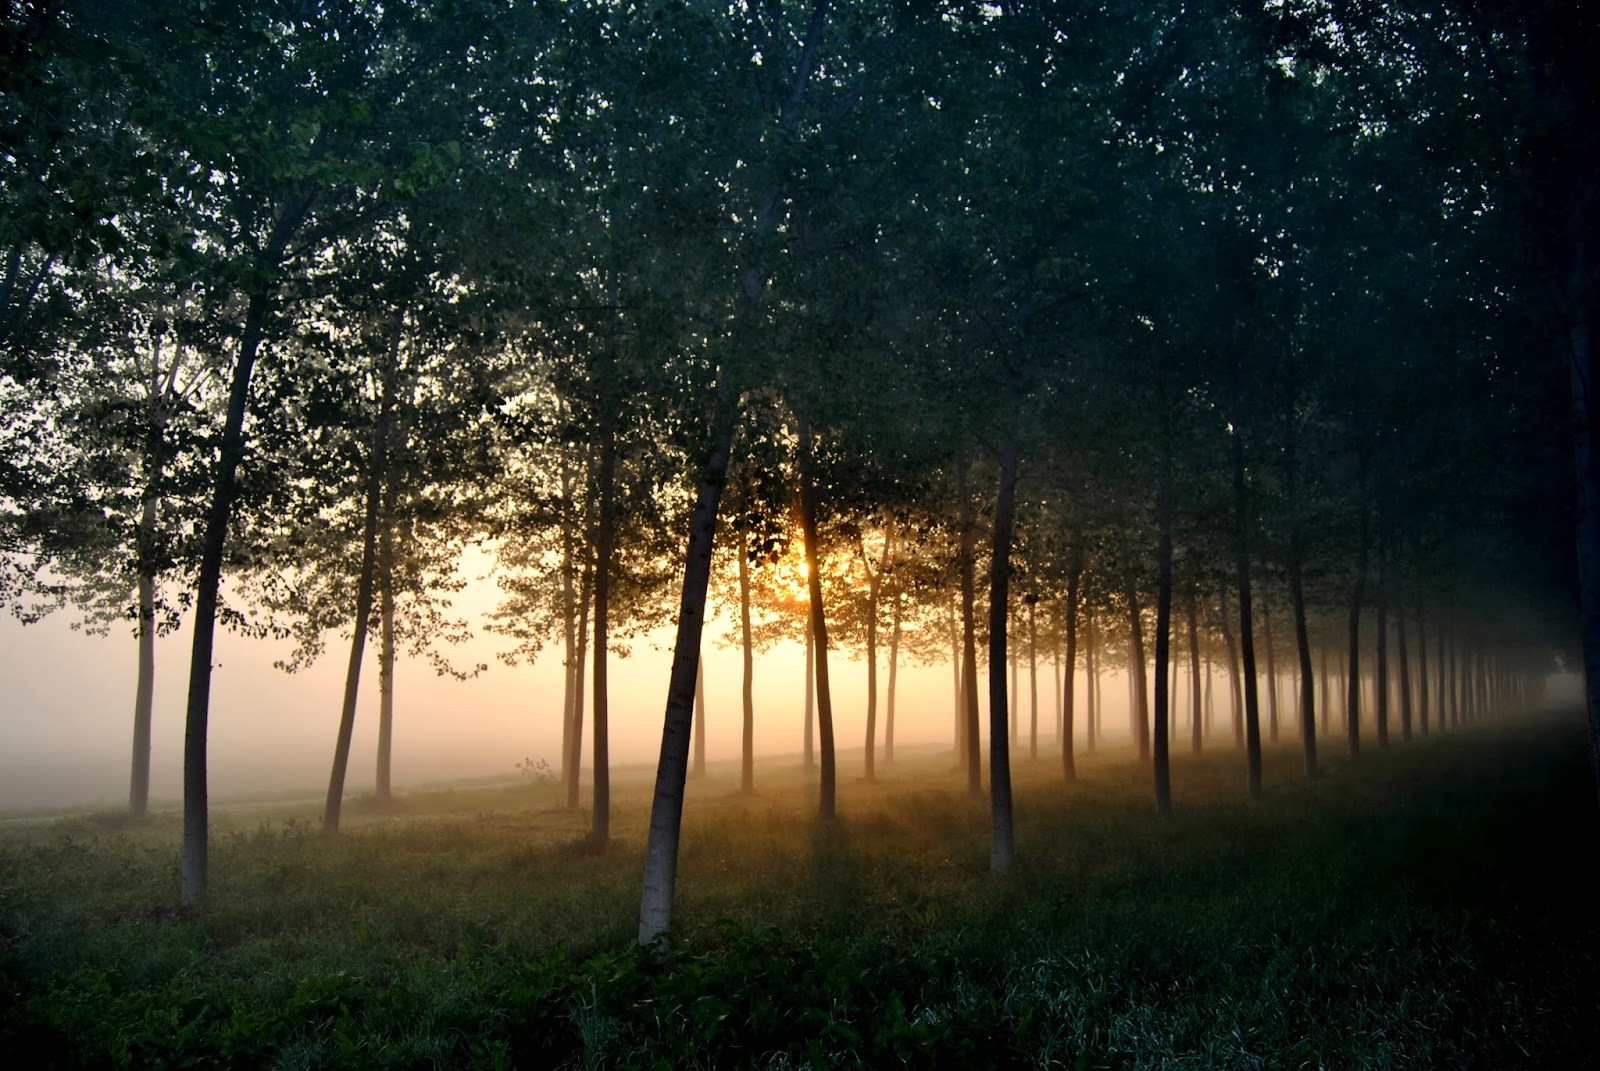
(787, 579)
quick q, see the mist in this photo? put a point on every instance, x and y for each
(65, 723)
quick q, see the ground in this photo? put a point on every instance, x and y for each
(1423, 907)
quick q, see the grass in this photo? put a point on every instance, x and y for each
(1425, 907)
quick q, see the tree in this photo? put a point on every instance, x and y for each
(301, 158)
(782, 98)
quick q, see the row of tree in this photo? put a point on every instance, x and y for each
(1129, 308)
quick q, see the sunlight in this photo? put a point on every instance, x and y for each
(787, 579)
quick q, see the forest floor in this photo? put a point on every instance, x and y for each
(1427, 906)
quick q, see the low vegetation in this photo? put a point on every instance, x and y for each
(1416, 908)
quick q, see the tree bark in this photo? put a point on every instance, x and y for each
(966, 552)
(376, 477)
(1453, 678)
(1272, 671)
(747, 753)
(1069, 766)
(1160, 768)
(1234, 680)
(1357, 595)
(1381, 665)
(585, 599)
(1579, 285)
(894, 667)
(1327, 693)
(1055, 675)
(1247, 644)
(569, 621)
(666, 809)
(1002, 847)
(1195, 702)
(1015, 702)
(208, 582)
(605, 538)
(1297, 605)
(1210, 673)
(700, 715)
(827, 802)
(957, 691)
(1404, 679)
(1091, 687)
(145, 686)
(1033, 684)
(1136, 668)
(1422, 671)
(874, 585)
(666, 815)
(808, 747)
(383, 781)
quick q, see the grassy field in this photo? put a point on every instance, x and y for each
(1428, 907)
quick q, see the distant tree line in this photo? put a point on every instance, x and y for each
(1042, 333)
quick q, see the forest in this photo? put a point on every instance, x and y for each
(1235, 352)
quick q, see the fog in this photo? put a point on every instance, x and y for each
(66, 715)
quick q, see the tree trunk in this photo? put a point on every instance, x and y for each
(1136, 668)
(1174, 664)
(1074, 577)
(1247, 642)
(1442, 679)
(747, 753)
(1297, 605)
(819, 623)
(376, 477)
(874, 585)
(957, 691)
(605, 537)
(1353, 685)
(894, 668)
(1195, 702)
(1033, 684)
(700, 715)
(1405, 663)
(1449, 677)
(1304, 678)
(1055, 680)
(1236, 686)
(569, 622)
(208, 581)
(1091, 688)
(1011, 706)
(966, 552)
(1002, 848)
(385, 791)
(666, 810)
(1422, 671)
(144, 690)
(809, 747)
(1210, 673)
(1476, 682)
(666, 814)
(585, 599)
(1586, 463)
(1381, 665)
(1272, 671)
(1327, 693)
(1160, 769)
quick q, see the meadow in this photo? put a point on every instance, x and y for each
(1428, 906)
